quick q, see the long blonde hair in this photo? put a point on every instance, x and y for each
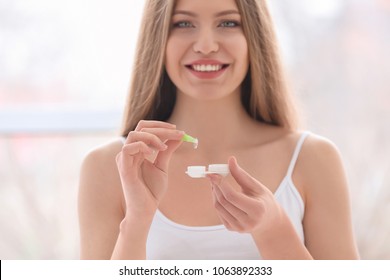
(265, 94)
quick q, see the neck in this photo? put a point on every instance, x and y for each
(215, 123)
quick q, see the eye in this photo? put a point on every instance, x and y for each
(230, 23)
(182, 24)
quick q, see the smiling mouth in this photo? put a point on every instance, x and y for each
(207, 67)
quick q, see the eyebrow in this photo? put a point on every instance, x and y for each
(219, 14)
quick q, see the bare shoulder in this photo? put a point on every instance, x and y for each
(100, 201)
(99, 174)
(103, 156)
(327, 220)
(320, 168)
(318, 152)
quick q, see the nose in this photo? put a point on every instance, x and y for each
(205, 42)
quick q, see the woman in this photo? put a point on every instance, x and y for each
(211, 69)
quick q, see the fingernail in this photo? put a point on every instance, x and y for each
(214, 179)
(181, 133)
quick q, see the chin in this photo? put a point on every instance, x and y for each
(206, 92)
(206, 95)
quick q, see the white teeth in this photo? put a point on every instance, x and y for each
(206, 68)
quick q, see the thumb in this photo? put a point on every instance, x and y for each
(248, 184)
(163, 157)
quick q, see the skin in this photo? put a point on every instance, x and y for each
(122, 186)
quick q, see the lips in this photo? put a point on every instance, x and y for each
(207, 67)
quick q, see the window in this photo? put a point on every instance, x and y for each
(64, 74)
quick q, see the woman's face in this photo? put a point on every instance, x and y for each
(207, 52)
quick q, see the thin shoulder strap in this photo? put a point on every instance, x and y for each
(296, 152)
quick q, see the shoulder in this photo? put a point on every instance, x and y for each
(318, 151)
(104, 153)
(99, 162)
(100, 201)
(99, 173)
(327, 219)
(320, 168)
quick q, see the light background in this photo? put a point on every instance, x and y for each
(64, 74)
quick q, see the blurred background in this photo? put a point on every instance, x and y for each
(64, 75)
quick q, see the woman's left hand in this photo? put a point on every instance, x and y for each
(253, 209)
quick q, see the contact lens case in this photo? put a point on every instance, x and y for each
(201, 172)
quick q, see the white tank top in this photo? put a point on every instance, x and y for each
(169, 240)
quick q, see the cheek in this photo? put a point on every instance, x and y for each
(173, 55)
(169, 55)
(241, 49)
(173, 60)
(238, 48)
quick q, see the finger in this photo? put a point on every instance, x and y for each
(134, 154)
(235, 197)
(147, 138)
(249, 185)
(222, 214)
(239, 200)
(150, 124)
(163, 158)
(164, 133)
(128, 165)
(229, 205)
(136, 148)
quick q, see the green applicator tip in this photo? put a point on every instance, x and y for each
(190, 139)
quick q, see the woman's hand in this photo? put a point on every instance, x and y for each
(252, 210)
(143, 164)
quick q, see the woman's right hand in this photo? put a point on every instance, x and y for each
(143, 165)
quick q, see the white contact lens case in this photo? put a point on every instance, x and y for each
(201, 172)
